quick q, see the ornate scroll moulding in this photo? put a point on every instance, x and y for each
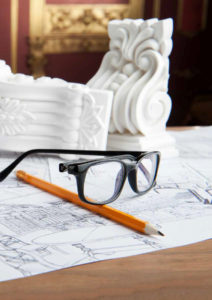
(46, 113)
(136, 69)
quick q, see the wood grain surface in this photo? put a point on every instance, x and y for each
(176, 273)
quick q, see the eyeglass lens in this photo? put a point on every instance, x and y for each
(146, 169)
(103, 181)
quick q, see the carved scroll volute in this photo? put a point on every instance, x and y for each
(37, 59)
(137, 69)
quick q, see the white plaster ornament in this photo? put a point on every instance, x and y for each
(136, 69)
(51, 113)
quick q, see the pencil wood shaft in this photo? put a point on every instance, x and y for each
(103, 210)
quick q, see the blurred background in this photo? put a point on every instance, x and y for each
(68, 39)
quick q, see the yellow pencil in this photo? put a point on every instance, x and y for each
(103, 210)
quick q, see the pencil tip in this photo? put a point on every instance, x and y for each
(160, 233)
(149, 229)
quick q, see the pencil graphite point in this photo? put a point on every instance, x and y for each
(161, 233)
(149, 229)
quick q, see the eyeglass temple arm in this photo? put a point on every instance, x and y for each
(4, 173)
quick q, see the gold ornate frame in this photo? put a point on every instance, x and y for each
(66, 28)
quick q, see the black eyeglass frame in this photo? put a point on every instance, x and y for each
(79, 169)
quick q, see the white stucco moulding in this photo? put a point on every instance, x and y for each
(51, 113)
(136, 69)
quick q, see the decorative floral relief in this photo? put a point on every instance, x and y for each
(14, 117)
(91, 123)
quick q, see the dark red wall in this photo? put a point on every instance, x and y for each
(77, 67)
(5, 31)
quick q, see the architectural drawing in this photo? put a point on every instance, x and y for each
(41, 233)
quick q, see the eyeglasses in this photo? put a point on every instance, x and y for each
(100, 181)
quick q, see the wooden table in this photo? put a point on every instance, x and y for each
(179, 273)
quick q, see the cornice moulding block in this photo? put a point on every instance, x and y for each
(50, 112)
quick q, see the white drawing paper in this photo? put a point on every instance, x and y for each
(40, 232)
